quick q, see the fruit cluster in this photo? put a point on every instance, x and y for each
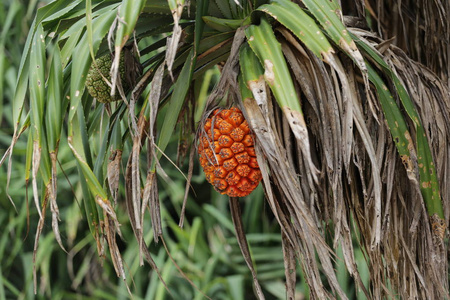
(98, 72)
(227, 155)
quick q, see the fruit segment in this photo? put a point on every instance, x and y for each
(227, 155)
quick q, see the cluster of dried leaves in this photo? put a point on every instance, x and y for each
(419, 27)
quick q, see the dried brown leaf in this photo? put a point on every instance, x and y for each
(52, 191)
(34, 169)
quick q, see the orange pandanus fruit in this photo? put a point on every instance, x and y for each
(227, 154)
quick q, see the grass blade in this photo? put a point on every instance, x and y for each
(55, 101)
(37, 84)
(37, 102)
(78, 142)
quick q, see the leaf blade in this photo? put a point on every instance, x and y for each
(301, 24)
(176, 102)
(81, 59)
